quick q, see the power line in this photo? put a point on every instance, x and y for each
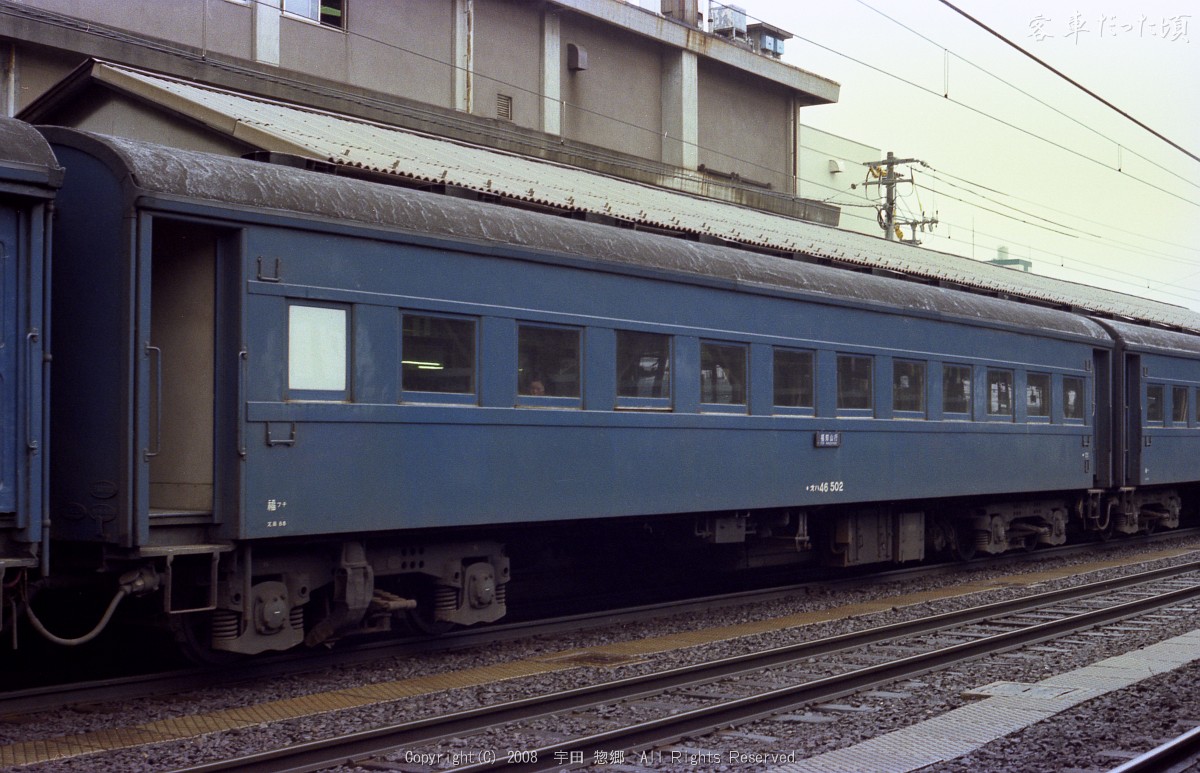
(938, 173)
(1070, 80)
(984, 71)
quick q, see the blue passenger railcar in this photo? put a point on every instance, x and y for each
(29, 176)
(1157, 422)
(304, 405)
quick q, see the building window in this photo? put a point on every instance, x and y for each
(908, 386)
(956, 389)
(548, 361)
(1179, 405)
(331, 13)
(1037, 394)
(854, 387)
(437, 355)
(643, 364)
(793, 379)
(722, 374)
(1072, 396)
(1154, 403)
(1000, 392)
(317, 346)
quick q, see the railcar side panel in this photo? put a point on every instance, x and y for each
(94, 297)
(29, 178)
(1168, 443)
(350, 449)
(9, 375)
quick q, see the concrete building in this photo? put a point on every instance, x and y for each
(832, 171)
(598, 84)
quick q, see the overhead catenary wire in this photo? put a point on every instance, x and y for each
(1070, 80)
(947, 53)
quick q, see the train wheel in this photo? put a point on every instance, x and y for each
(423, 619)
(964, 542)
(193, 636)
(421, 622)
(1030, 543)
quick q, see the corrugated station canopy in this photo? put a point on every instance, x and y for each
(344, 140)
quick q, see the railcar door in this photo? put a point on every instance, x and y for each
(8, 361)
(1133, 420)
(1102, 418)
(177, 331)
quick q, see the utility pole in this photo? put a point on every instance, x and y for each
(885, 172)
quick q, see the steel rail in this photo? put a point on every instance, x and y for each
(343, 750)
(1177, 754)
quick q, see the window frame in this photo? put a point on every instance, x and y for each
(545, 400)
(742, 406)
(1047, 396)
(1176, 420)
(921, 367)
(969, 413)
(1083, 400)
(662, 402)
(796, 410)
(855, 411)
(318, 393)
(1160, 404)
(1010, 375)
(408, 395)
(320, 17)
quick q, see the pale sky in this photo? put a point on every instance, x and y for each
(1136, 230)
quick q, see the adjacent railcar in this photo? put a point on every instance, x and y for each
(29, 177)
(291, 406)
(1155, 425)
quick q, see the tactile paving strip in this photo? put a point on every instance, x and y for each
(1013, 707)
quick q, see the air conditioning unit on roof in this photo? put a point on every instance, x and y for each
(728, 20)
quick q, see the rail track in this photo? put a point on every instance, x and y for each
(52, 697)
(1179, 754)
(628, 715)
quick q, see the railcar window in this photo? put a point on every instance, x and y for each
(643, 364)
(1037, 394)
(548, 361)
(1154, 403)
(1072, 397)
(793, 378)
(956, 389)
(1000, 392)
(722, 374)
(854, 386)
(1179, 404)
(317, 344)
(908, 386)
(437, 355)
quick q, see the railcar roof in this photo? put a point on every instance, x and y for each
(1142, 337)
(242, 184)
(25, 156)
